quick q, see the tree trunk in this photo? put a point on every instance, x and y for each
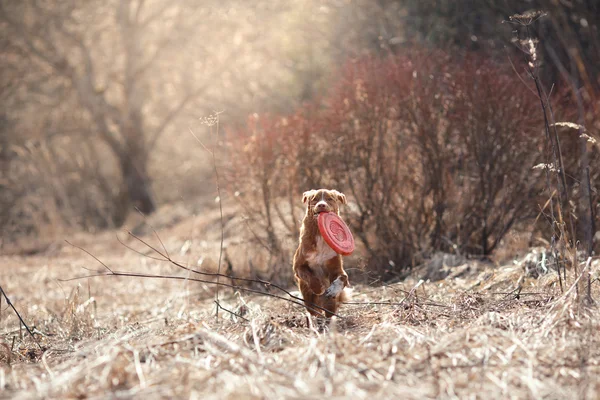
(136, 183)
(133, 160)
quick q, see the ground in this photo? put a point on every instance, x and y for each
(485, 331)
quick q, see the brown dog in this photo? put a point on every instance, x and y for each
(318, 268)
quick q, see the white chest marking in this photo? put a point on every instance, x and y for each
(322, 254)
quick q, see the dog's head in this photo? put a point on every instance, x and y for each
(323, 200)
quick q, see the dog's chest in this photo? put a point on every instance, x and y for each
(321, 254)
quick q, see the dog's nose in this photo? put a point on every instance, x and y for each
(321, 206)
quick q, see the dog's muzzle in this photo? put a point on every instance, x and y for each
(321, 206)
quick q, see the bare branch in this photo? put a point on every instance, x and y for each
(294, 299)
(90, 254)
(314, 307)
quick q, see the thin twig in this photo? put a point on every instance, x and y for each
(136, 251)
(213, 274)
(230, 312)
(89, 254)
(236, 287)
(389, 303)
(20, 318)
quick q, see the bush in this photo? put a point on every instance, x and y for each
(434, 153)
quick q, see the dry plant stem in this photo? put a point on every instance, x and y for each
(559, 197)
(558, 155)
(554, 141)
(234, 348)
(408, 294)
(573, 286)
(216, 170)
(20, 318)
(547, 171)
(587, 214)
(412, 291)
(569, 241)
(550, 203)
(589, 229)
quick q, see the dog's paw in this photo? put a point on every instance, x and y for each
(335, 288)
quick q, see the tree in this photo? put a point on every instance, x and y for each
(120, 71)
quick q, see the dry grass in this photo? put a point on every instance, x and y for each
(468, 336)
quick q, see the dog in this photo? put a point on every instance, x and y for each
(318, 268)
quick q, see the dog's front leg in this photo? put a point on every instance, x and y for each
(306, 274)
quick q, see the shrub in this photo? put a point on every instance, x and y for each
(435, 153)
(499, 124)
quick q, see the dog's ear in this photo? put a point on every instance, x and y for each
(341, 197)
(307, 195)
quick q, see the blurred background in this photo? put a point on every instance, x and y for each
(422, 112)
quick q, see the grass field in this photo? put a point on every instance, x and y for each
(483, 332)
